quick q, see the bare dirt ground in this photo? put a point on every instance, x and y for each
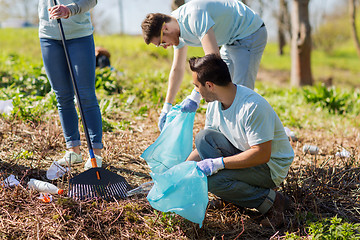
(319, 185)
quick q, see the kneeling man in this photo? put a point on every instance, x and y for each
(243, 148)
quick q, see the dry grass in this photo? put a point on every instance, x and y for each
(320, 186)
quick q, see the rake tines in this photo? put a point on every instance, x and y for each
(110, 186)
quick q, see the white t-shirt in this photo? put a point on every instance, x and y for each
(230, 19)
(250, 120)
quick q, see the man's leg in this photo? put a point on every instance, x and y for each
(243, 57)
(249, 187)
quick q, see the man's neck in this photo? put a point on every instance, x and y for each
(227, 95)
(175, 25)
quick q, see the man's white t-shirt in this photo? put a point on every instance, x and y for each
(231, 20)
(250, 120)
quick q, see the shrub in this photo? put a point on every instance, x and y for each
(331, 98)
(334, 228)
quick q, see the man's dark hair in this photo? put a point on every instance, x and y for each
(210, 68)
(102, 61)
(151, 26)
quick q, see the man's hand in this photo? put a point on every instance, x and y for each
(59, 11)
(162, 117)
(189, 105)
(191, 102)
(211, 166)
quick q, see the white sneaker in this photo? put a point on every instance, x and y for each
(71, 157)
(88, 164)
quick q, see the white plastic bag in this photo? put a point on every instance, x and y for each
(55, 171)
(6, 106)
(10, 181)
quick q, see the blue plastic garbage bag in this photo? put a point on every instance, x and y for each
(174, 144)
(183, 190)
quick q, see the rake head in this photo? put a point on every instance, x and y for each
(98, 183)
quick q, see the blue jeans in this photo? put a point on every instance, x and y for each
(82, 57)
(247, 187)
(243, 57)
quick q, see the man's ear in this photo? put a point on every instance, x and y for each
(209, 85)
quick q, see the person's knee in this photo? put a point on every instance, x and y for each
(203, 141)
(88, 98)
(205, 136)
(65, 99)
(200, 136)
(217, 184)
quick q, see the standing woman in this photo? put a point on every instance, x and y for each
(78, 29)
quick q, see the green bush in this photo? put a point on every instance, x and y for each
(34, 108)
(25, 78)
(106, 80)
(334, 228)
(331, 98)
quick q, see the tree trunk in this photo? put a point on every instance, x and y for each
(176, 3)
(301, 44)
(352, 10)
(281, 26)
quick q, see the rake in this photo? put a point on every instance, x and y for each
(95, 182)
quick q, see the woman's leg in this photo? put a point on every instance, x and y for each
(82, 55)
(59, 77)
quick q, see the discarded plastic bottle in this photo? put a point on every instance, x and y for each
(343, 154)
(291, 135)
(44, 187)
(313, 150)
(142, 189)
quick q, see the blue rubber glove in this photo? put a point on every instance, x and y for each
(211, 166)
(162, 117)
(189, 105)
(191, 102)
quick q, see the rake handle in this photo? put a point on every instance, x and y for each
(63, 40)
(93, 162)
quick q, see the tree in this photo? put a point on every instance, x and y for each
(352, 10)
(301, 44)
(284, 26)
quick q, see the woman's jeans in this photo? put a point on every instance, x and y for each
(82, 57)
(247, 187)
(243, 57)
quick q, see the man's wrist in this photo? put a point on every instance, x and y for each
(166, 108)
(219, 163)
(195, 96)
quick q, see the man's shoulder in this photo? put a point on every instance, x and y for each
(245, 93)
(248, 93)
